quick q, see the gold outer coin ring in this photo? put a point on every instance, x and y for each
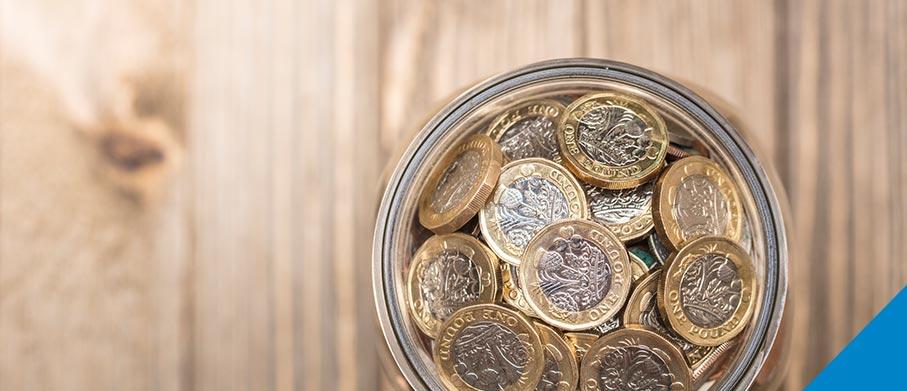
(670, 299)
(451, 220)
(621, 278)
(482, 257)
(565, 356)
(667, 351)
(528, 109)
(600, 174)
(513, 320)
(512, 290)
(666, 226)
(493, 234)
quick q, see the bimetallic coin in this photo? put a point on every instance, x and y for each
(459, 185)
(531, 194)
(612, 140)
(658, 248)
(561, 371)
(708, 291)
(512, 289)
(447, 273)
(575, 274)
(528, 130)
(642, 309)
(581, 343)
(695, 198)
(489, 347)
(634, 358)
(626, 212)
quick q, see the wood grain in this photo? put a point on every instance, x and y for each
(239, 259)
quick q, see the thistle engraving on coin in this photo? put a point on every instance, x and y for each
(701, 209)
(574, 274)
(710, 290)
(530, 137)
(488, 356)
(450, 280)
(527, 205)
(614, 135)
(456, 180)
(633, 366)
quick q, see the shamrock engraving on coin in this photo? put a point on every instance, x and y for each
(447, 273)
(528, 130)
(560, 372)
(633, 358)
(642, 309)
(575, 274)
(459, 185)
(612, 140)
(695, 198)
(489, 347)
(531, 194)
(627, 212)
(512, 289)
(708, 291)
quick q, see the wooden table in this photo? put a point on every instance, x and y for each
(231, 250)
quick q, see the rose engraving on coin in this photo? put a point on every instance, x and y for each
(710, 290)
(614, 135)
(530, 194)
(701, 209)
(528, 130)
(456, 181)
(489, 356)
(449, 281)
(574, 274)
(527, 205)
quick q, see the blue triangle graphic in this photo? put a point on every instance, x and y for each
(876, 359)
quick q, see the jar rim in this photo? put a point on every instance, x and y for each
(768, 208)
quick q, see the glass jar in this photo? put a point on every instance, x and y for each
(757, 361)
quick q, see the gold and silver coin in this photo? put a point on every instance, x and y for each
(612, 140)
(708, 291)
(634, 358)
(626, 212)
(561, 371)
(575, 274)
(447, 273)
(489, 347)
(531, 194)
(642, 309)
(528, 130)
(459, 185)
(695, 198)
(512, 289)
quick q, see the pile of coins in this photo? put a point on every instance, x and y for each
(579, 247)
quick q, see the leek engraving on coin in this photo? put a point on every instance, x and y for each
(489, 356)
(710, 289)
(456, 180)
(530, 137)
(449, 280)
(614, 135)
(527, 206)
(633, 367)
(701, 207)
(574, 274)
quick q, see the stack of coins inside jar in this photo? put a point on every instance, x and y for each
(579, 242)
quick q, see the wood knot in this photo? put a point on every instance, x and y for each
(130, 152)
